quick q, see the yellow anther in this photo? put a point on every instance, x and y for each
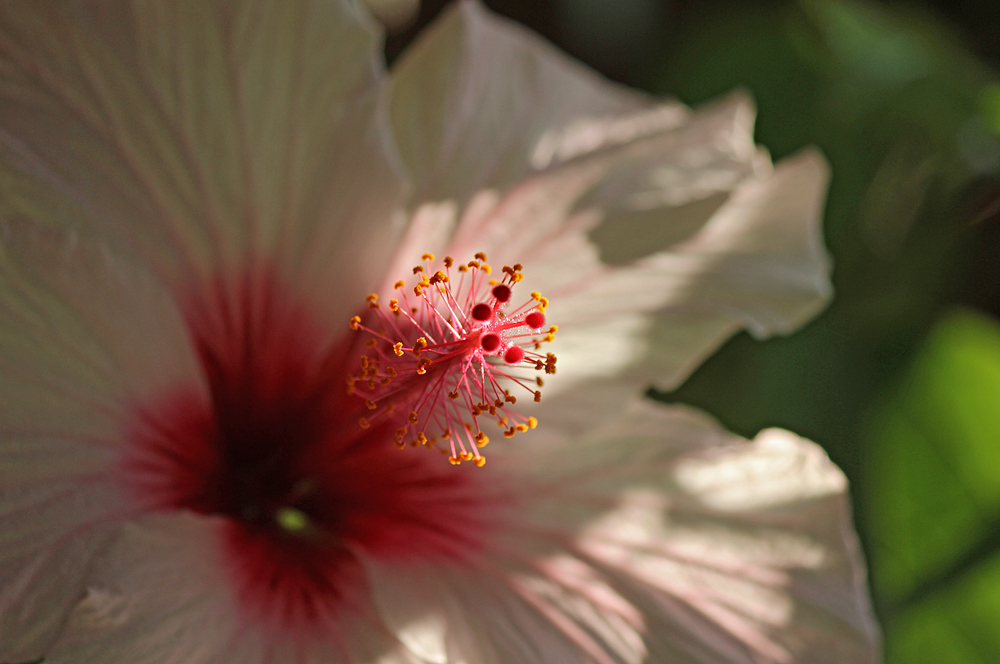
(427, 257)
(400, 432)
(522, 428)
(474, 264)
(421, 438)
(371, 404)
(422, 366)
(448, 261)
(399, 284)
(391, 371)
(480, 461)
(535, 295)
(538, 380)
(454, 460)
(419, 345)
(400, 443)
(532, 423)
(544, 304)
(538, 396)
(397, 348)
(418, 269)
(453, 395)
(372, 301)
(371, 343)
(482, 439)
(480, 256)
(364, 362)
(509, 433)
(412, 417)
(356, 323)
(486, 268)
(363, 422)
(466, 456)
(446, 434)
(553, 329)
(394, 306)
(493, 282)
(462, 268)
(518, 267)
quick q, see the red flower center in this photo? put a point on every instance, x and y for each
(270, 441)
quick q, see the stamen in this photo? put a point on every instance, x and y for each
(435, 358)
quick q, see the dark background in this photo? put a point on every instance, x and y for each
(900, 378)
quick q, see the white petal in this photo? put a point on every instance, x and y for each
(655, 233)
(731, 551)
(48, 537)
(158, 596)
(453, 614)
(203, 137)
(757, 263)
(394, 14)
(162, 593)
(476, 100)
(75, 353)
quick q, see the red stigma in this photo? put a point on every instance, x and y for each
(490, 342)
(513, 355)
(482, 312)
(535, 320)
(502, 293)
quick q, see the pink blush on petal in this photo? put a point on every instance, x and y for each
(270, 442)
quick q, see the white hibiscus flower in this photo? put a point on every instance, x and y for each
(196, 198)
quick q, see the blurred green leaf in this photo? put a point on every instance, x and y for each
(872, 42)
(989, 105)
(933, 498)
(957, 625)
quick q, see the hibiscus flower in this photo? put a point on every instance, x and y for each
(196, 199)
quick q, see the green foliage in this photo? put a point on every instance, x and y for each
(933, 498)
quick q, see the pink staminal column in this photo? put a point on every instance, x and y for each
(447, 355)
